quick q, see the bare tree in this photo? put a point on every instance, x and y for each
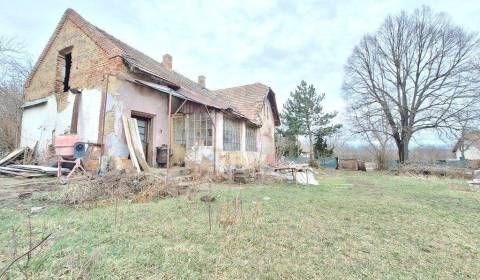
(15, 67)
(417, 71)
(373, 127)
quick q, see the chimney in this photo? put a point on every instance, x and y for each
(201, 80)
(167, 61)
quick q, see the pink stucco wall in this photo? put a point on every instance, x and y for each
(127, 97)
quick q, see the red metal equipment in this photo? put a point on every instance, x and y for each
(64, 148)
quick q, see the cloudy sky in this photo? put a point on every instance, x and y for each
(278, 43)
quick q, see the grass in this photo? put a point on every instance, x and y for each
(354, 225)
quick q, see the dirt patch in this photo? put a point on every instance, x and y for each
(13, 190)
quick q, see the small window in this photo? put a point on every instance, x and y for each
(66, 71)
(199, 129)
(251, 139)
(231, 134)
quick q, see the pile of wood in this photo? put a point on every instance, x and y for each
(14, 155)
(24, 170)
(30, 171)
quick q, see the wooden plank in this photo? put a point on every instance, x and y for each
(38, 168)
(22, 174)
(137, 144)
(11, 156)
(126, 129)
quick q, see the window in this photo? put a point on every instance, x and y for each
(179, 130)
(66, 71)
(231, 134)
(199, 129)
(251, 139)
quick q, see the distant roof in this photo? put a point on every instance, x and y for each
(247, 100)
(473, 139)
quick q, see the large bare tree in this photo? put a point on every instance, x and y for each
(15, 66)
(417, 71)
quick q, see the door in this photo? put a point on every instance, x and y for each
(144, 132)
(179, 140)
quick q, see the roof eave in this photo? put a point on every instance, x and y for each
(276, 120)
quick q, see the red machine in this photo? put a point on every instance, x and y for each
(65, 150)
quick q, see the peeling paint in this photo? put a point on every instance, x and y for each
(41, 123)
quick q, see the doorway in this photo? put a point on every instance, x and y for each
(144, 124)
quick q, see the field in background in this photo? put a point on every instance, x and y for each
(354, 225)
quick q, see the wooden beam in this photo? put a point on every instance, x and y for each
(169, 141)
(137, 144)
(133, 157)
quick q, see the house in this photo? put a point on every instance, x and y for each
(86, 80)
(468, 147)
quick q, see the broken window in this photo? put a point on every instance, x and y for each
(251, 139)
(179, 130)
(66, 71)
(231, 134)
(199, 129)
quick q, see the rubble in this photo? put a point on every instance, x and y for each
(299, 173)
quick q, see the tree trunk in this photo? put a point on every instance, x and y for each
(310, 145)
(462, 151)
(402, 146)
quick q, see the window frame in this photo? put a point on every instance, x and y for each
(251, 138)
(232, 134)
(200, 127)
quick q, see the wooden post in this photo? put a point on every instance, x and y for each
(169, 135)
(214, 142)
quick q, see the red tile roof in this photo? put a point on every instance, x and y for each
(249, 100)
(246, 100)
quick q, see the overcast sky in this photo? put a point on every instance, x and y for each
(278, 43)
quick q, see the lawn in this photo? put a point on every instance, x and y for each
(354, 225)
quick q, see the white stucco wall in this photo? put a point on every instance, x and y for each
(42, 122)
(89, 115)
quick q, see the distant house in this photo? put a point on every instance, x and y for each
(86, 80)
(468, 147)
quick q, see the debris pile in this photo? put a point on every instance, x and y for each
(299, 173)
(139, 187)
(434, 170)
(475, 183)
(9, 168)
(30, 171)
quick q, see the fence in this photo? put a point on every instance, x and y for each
(327, 162)
(331, 163)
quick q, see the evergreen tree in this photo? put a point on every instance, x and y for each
(303, 114)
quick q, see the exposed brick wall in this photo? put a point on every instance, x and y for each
(89, 65)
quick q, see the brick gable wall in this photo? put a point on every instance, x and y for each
(90, 63)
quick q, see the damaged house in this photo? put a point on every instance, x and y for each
(85, 81)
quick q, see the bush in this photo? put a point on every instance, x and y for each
(314, 164)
